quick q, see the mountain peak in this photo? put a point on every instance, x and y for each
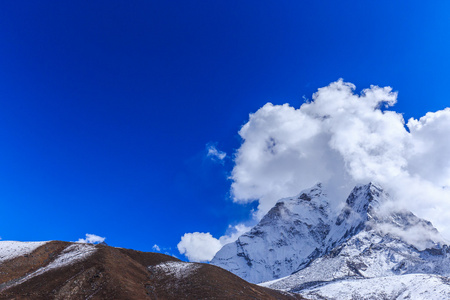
(371, 189)
(296, 231)
(362, 205)
(364, 198)
(314, 192)
(317, 191)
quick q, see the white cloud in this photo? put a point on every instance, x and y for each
(201, 247)
(419, 236)
(341, 138)
(214, 153)
(92, 239)
(156, 248)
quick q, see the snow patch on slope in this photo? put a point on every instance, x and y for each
(72, 254)
(176, 269)
(12, 249)
(411, 286)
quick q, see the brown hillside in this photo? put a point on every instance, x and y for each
(115, 273)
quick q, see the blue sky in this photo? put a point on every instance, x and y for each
(106, 108)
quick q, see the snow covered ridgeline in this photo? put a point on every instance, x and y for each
(70, 255)
(313, 247)
(12, 249)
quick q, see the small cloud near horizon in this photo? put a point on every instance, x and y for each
(92, 239)
(202, 246)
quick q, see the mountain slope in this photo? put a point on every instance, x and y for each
(291, 234)
(411, 286)
(366, 255)
(61, 270)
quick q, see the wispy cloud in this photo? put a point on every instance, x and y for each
(214, 153)
(156, 248)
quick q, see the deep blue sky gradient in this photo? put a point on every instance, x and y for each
(106, 107)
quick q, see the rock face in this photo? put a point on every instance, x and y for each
(61, 270)
(311, 247)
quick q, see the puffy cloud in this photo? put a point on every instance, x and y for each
(201, 247)
(214, 153)
(341, 138)
(92, 239)
(156, 248)
(430, 158)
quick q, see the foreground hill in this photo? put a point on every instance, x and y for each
(62, 270)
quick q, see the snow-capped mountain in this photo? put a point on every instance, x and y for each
(314, 247)
(291, 234)
(295, 232)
